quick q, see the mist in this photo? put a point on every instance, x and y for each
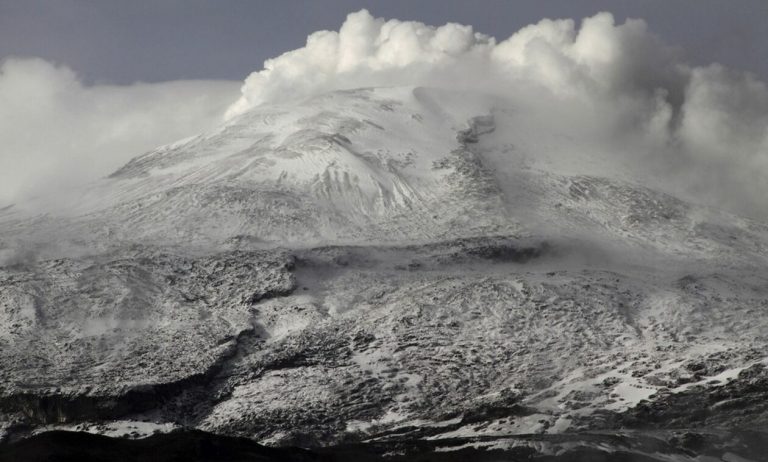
(57, 133)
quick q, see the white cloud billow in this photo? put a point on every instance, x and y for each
(368, 51)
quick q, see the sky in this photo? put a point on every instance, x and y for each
(117, 41)
(679, 85)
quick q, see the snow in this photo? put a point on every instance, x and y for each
(405, 300)
(116, 428)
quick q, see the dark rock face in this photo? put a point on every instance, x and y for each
(180, 446)
(62, 409)
(742, 402)
(197, 446)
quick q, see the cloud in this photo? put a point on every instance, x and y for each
(56, 132)
(702, 130)
(368, 51)
(365, 52)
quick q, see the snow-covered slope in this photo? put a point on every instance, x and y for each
(377, 264)
(365, 165)
(375, 166)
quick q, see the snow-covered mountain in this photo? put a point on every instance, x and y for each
(383, 265)
(385, 165)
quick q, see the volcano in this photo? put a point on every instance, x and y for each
(399, 269)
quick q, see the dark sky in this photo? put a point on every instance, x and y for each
(122, 41)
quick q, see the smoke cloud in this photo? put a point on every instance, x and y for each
(703, 130)
(368, 51)
(56, 133)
